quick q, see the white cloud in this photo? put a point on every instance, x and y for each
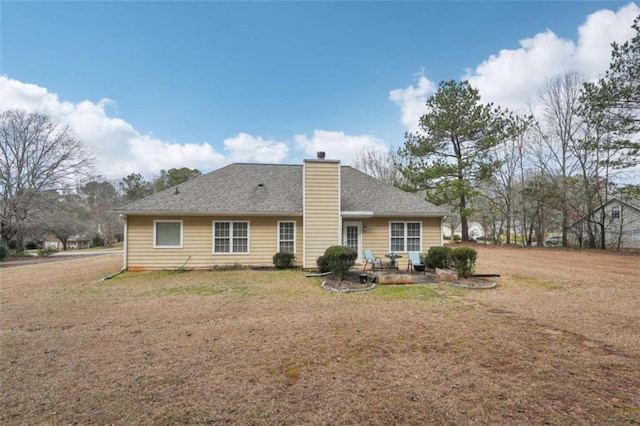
(337, 145)
(120, 149)
(513, 78)
(412, 101)
(245, 147)
(595, 36)
(156, 154)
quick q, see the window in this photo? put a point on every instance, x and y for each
(287, 237)
(405, 236)
(167, 234)
(231, 237)
(635, 234)
(615, 213)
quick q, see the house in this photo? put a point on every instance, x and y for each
(52, 242)
(245, 213)
(73, 243)
(476, 230)
(446, 230)
(621, 224)
(78, 242)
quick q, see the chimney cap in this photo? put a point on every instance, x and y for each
(321, 155)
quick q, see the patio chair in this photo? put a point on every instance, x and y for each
(375, 262)
(414, 263)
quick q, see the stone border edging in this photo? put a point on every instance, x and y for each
(347, 290)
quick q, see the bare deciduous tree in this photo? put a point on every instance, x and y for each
(101, 197)
(505, 183)
(380, 165)
(559, 127)
(66, 216)
(36, 154)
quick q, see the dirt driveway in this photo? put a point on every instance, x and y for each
(555, 343)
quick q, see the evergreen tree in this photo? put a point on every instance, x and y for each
(455, 148)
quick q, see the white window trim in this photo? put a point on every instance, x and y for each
(615, 210)
(635, 234)
(168, 221)
(230, 222)
(294, 235)
(405, 234)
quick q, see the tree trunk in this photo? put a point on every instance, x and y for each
(464, 224)
(508, 224)
(19, 241)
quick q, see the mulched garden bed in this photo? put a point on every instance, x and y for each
(350, 284)
(343, 286)
(472, 283)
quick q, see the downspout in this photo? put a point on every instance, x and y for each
(304, 215)
(125, 221)
(340, 220)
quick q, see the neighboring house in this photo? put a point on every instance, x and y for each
(446, 230)
(622, 224)
(78, 242)
(51, 242)
(476, 230)
(245, 213)
(73, 243)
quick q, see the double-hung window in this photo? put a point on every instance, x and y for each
(287, 237)
(231, 237)
(615, 213)
(405, 236)
(167, 234)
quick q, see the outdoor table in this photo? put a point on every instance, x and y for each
(393, 257)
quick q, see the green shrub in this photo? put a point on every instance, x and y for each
(47, 251)
(283, 260)
(339, 260)
(457, 238)
(323, 264)
(97, 241)
(463, 261)
(437, 257)
(3, 253)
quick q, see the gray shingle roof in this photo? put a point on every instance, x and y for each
(361, 192)
(236, 189)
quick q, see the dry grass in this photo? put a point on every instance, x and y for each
(556, 342)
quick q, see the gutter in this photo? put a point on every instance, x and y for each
(191, 213)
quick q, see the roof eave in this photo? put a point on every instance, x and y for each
(202, 213)
(356, 214)
(413, 214)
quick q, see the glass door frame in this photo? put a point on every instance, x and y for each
(358, 224)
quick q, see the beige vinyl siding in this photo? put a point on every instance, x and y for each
(197, 242)
(376, 238)
(321, 208)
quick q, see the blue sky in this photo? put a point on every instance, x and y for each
(153, 85)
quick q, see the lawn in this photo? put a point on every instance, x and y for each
(558, 341)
